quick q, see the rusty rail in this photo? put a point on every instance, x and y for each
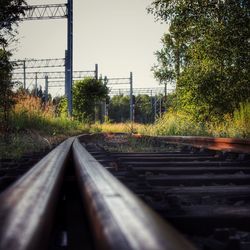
(27, 207)
(118, 218)
(222, 144)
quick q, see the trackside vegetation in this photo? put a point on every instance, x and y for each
(204, 54)
(172, 122)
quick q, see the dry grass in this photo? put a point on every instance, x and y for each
(130, 128)
(32, 106)
(30, 113)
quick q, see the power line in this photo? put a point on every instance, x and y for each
(39, 63)
(53, 75)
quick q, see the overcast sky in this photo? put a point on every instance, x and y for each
(119, 35)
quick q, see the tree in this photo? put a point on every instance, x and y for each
(214, 74)
(164, 71)
(143, 109)
(119, 108)
(6, 94)
(10, 11)
(86, 95)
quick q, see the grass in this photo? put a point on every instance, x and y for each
(116, 127)
(34, 127)
(29, 113)
(17, 144)
(180, 124)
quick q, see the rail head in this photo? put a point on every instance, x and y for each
(120, 220)
(27, 206)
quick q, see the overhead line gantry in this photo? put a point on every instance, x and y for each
(58, 11)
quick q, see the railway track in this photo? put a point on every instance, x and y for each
(73, 198)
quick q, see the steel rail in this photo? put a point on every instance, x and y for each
(27, 207)
(221, 144)
(120, 220)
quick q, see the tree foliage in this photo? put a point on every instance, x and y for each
(10, 11)
(6, 94)
(145, 107)
(118, 108)
(207, 52)
(86, 95)
(143, 110)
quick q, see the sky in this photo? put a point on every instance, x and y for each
(119, 35)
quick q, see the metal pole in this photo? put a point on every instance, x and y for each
(131, 97)
(106, 110)
(70, 55)
(36, 84)
(24, 75)
(66, 74)
(160, 106)
(105, 80)
(105, 104)
(165, 99)
(46, 88)
(96, 71)
(152, 106)
(155, 107)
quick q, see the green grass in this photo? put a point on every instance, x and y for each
(180, 124)
(33, 127)
(50, 126)
(32, 134)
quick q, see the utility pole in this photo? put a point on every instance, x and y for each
(131, 98)
(155, 107)
(160, 100)
(96, 71)
(66, 74)
(165, 96)
(36, 84)
(69, 61)
(46, 88)
(24, 75)
(105, 103)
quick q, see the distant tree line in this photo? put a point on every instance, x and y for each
(146, 108)
(206, 54)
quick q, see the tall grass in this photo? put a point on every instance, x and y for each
(30, 113)
(179, 123)
(241, 120)
(34, 127)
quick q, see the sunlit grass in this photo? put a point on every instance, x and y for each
(30, 113)
(34, 127)
(180, 124)
(117, 127)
